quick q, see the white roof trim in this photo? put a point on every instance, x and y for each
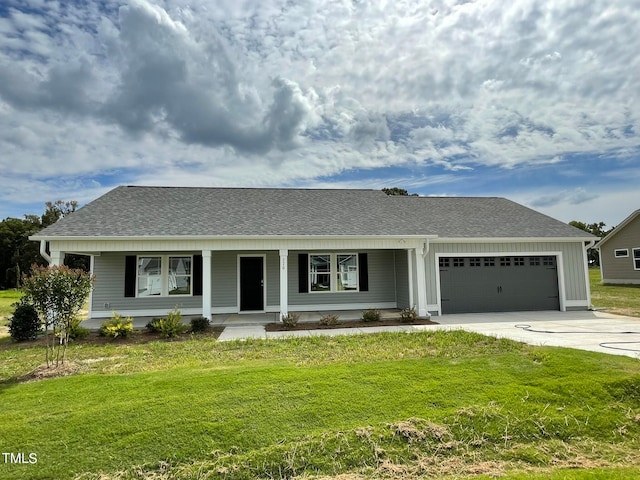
(54, 238)
(510, 239)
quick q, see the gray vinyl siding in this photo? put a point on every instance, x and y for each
(273, 278)
(572, 255)
(402, 279)
(381, 265)
(621, 268)
(108, 292)
(224, 279)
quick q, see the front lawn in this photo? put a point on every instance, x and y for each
(620, 299)
(376, 406)
(7, 299)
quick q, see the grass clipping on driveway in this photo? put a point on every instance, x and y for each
(391, 405)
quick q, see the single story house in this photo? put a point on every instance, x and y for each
(620, 252)
(236, 250)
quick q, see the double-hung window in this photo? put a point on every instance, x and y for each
(347, 272)
(149, 276)
(179, 279)
(636, 258)
(320, 273)
(164, 275)
(333, 272)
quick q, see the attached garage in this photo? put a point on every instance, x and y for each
(498, 283)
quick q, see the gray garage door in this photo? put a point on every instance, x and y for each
(498, 284)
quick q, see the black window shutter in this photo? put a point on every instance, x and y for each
(303, 273)
(363, 272)
(197, 275)
(130, 276)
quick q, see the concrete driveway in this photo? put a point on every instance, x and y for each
(586, 330)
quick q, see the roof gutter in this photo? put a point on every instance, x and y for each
(220, 237)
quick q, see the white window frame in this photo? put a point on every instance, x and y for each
(636, 259)
(333, 272)
(624, 255)
(164, 275)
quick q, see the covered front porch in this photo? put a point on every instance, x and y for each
(253, 280)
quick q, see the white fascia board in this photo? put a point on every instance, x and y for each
(511, 239)
(226, 237)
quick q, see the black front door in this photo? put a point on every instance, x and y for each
(251, 283)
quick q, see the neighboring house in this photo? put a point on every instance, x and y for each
(620, 252)
(236, 250)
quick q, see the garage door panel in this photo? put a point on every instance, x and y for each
(498, 284)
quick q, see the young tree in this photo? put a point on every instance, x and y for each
(57, 293)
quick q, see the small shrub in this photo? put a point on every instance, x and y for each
(25, 324)
(153, 326)
(408, 315)
(76, 331)
(116, 326)
(200, 324)
(290, 320)
(329, 320)
(171, 325)
(372, 315)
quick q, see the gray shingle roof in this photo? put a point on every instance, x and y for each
(191, 211)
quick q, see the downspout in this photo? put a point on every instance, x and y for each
(586, 272)
(425, 249)
(43, 251)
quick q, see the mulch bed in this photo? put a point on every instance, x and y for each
(135, 338)
(385, 322)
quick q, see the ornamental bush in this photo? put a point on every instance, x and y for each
(408, 315)
(25, 324)
(372, 315)
(329, 320)
(290, 320)
(200, 324)
(153, 326)
(76, 331)
(117, 326)
(171, 325)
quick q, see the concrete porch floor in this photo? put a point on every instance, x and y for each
(248, 319)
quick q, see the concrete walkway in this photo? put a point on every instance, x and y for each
(593, 331)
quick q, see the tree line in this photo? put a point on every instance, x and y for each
(18, 254)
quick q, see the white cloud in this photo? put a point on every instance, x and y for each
(196, 92)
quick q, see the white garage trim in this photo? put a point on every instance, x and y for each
(559, 263)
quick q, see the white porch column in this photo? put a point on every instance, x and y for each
(57, 258)
(284, 283)
(206, 284)
(412, 300)
(421, 281)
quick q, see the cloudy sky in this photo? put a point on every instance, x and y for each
(537, 101)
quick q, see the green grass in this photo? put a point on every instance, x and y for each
(7, 299)
(397, 404)
(620, 299)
